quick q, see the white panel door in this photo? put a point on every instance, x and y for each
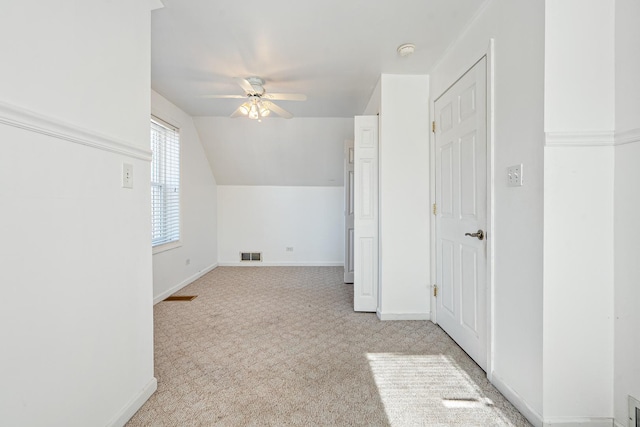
(461, 212)
(365, 285)
(349, 159)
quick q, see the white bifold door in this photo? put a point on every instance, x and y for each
(461, 211)
(365, 257)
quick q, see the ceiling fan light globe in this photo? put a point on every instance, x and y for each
(253, 112)
(244, 109)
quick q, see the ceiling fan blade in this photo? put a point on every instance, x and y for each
(224, 96)
(245, 85)
(279, 110)
(285, 96)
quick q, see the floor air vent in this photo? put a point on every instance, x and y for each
(250, 256)
(181, 298)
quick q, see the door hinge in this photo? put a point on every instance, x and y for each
(435, 291)
(435, 209)
(433, 127)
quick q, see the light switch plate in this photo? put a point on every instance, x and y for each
(514, 176)
(127, 175)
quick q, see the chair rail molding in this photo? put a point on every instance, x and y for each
(580, 139)
(628, 136)
(22, 118)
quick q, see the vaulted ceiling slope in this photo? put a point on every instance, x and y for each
(331, 50)
(298, 152)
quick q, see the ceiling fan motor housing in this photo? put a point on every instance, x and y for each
(256, 83)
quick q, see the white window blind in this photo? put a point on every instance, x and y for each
(165, 183)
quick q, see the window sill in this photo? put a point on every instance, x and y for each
(166, 247)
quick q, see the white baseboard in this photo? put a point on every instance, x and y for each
(529, 413)
(125, 414)
(536, 419)
(182, 284)
(578, 422)
(280, 264)
(403, 316)
(617, 424)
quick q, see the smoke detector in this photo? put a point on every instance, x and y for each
(406, 49)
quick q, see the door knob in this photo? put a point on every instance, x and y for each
(479, 234)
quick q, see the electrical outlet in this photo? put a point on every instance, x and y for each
(289, 249)
(514, 175)
(187, 262)
(127, 175)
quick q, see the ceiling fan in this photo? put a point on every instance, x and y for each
(258, 102)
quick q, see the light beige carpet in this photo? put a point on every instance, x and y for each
(281, 346)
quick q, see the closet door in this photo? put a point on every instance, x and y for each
(365, 286)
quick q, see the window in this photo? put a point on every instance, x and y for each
(165, 183)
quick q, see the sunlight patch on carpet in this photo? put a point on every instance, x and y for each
(432, 389)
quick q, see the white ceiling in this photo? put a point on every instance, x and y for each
(331, 50)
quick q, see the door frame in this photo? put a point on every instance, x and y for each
(490, 116)
(349, 203)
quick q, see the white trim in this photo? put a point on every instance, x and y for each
(489, 54)
(184, 283)
(580, 139)
(633, 405)
(628, 137)
(529, 413)
(280, 264)
(403, 316)
(164, 115)
(22, 118)
(491, 192)
(166, 247)
(578, 422)
(134, 405)
(617, 424)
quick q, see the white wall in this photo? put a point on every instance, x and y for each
(198, 240)
(518, 30)
(578, 286)
(627, 271)
(627, 65)
(373, 106)
(571, 73)
(71, 50)
(269, 219)
(578, 235)
(278, 152)
(404, 197)
(76, 321)
(627, 206)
